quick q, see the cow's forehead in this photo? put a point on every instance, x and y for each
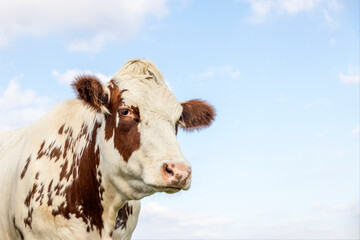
(147, 90)
(150, 98)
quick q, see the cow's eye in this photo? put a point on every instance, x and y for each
(124, 111)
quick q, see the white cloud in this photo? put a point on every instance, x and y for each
(338, 154)
(281, 99)
(348, 79)
(262, 9)
(332, 41)
(318, 224)
(304, 227)
(320, 134)
(295, 6)
(228, 70)
(336, 207)
(319, 102)
(335, 5)
(303, 220)
(225, 70)
(93, 45)
(210, 72)
(69, 76)
(356, 131)
(317, 206)
(161, 222)
(352, 77)
(343, 206)
(20, 107)
(329, 19)
(100, 21)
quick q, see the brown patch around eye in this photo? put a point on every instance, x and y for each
(136, 113)
(125, 133)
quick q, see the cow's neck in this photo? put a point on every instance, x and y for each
(84, 193)
(114, 197)
(105, 200)
(112, 201)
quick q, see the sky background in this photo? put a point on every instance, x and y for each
(281, 160)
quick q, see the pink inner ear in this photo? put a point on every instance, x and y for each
(197, 114)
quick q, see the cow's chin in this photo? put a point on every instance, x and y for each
(169, 190)
(166, 189)
(149, 189)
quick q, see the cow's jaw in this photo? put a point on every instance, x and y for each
(140, 176)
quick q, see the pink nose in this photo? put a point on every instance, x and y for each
(177, 175)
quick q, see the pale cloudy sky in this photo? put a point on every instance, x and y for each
(281, 160)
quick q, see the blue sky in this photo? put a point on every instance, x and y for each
(282, 159)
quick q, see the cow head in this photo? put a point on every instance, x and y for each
(140, 117)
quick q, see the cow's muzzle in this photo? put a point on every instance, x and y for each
(176, 176)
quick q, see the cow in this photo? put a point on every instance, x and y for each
(80, 171)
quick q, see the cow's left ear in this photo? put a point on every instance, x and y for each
(197, 114)
(91, 91)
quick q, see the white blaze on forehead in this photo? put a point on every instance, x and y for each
(147, 90)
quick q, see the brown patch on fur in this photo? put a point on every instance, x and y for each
(64, 172)
(83, 131)
(49, 194)
(90, 90)
(61, 129)
(197, 114)
(69, 131)
(69, 142)
(51, 152)
(40, 152)
(66, 146)
(84, 193)
(126, 134)
(31, 194)
(17, 229)
(83, 196)
(40, 194)
(69, 146)
(58, 188)
(28, 219)
(25, 167)
(122, 216)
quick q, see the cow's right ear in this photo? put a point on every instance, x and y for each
(91, 91)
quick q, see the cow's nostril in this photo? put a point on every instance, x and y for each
(168, 170)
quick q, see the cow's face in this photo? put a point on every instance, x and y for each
(139, 149)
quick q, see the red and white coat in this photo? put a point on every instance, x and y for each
(79, 171)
